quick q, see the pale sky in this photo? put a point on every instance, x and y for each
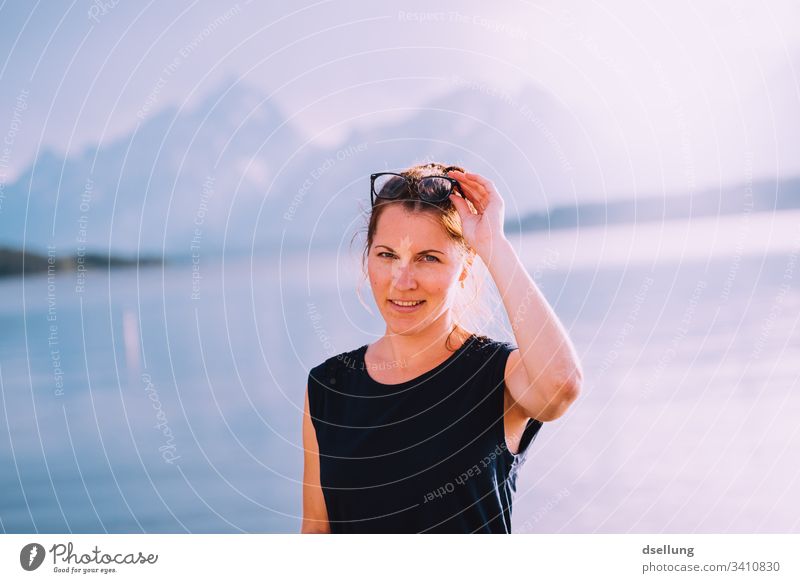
(708, 90)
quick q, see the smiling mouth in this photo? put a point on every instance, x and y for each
(406, 304)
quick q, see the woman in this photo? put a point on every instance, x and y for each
(424, 430)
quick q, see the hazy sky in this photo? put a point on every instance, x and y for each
(710, 90)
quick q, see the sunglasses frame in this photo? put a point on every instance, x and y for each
(455, 186)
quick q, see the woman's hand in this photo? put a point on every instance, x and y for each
(484, 227)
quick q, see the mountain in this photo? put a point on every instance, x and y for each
(537, 155)
(237, 167)
(179, 170)
(233, 173)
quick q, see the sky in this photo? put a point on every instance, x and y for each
(708, 90)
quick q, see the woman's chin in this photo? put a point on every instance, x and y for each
(405, 325)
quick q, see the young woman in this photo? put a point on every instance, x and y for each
(425, 429)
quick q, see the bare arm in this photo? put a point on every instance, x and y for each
(315, 513)
(549, 378)
(544, 376)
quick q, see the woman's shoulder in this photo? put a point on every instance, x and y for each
(486, 345)
(348, 360)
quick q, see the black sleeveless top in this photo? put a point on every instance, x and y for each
(426, 455)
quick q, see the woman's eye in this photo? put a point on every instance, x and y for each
(426, 257)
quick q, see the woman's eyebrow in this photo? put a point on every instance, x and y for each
(420, 253)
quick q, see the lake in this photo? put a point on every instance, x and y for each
(170, 400)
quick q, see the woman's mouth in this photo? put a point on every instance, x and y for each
(406, 306)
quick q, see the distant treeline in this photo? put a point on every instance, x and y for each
(763, 196)
(17, 262)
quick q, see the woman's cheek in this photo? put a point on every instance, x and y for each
(372, 274)
(376, 278)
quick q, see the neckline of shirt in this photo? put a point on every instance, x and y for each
(363, 365)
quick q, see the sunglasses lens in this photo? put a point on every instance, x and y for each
(434, 188)
(390, 185)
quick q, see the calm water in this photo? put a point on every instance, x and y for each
(175, 414)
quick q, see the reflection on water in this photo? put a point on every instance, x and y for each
(132, 407)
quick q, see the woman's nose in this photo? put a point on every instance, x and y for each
(404, 276)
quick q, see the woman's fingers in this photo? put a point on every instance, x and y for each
(461, 206)
(485, 185)
(476, 182)
(472, 188)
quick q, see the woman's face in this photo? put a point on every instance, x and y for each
(412, 259)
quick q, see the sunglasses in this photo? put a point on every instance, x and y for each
(391, 186)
